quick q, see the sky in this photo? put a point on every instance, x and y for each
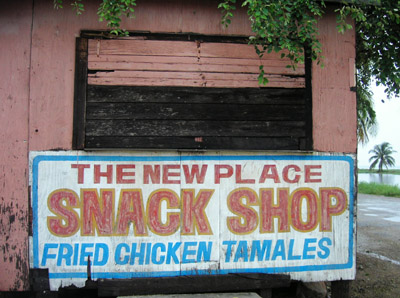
(388, 116)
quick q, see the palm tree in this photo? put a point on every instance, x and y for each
(382, 156)
(366, 117)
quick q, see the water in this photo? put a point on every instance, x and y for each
(388, 179)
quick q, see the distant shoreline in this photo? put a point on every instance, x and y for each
(391, 171)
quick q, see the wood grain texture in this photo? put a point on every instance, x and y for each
(133, 62)
(334, 104)
(195, 118)
(274, 82)
(15, 51)
(174, 93)
(248, 96)
(181, 111)
(213, 128)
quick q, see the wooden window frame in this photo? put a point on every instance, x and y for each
(81, 84)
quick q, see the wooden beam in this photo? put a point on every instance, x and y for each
(192, 284)
(196, 143)
(81, 66)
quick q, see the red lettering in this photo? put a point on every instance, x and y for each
(95, 214)
(189, 175)
(246, 220)
(308, 173)
(328, 209)
(193, 212)
(81, 171)
(239, 179)
(131, 210)
(285, 174)
(311, 199)
(269, 210)
(219, 175)
(66, 221)
(154, 212)
(167, 174)
(266, 175)
(108, 173)
(153, 173)
(121, 174)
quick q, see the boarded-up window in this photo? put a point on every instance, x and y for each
(164, 94)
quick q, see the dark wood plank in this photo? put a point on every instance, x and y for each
(81, 62)
(340, 289)
(191, 284)
(153, 128)
(308, 141)
(39, 279)
(183, 111)
(192, 143)
(133, 94)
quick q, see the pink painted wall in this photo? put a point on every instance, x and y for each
(52, 73)
(334, 105)
(37, 59)
(15, 27)
(53, 54)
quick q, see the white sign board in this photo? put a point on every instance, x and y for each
(167, 214)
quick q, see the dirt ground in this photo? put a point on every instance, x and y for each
(378, 231)
(375, 278)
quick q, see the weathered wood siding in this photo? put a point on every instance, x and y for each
(52, 71)
(195, 118)
(37, 91)
(176, 94)
(14, 102)
(334, 104)
(186, 63)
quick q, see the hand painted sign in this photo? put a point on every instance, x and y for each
(159, 214)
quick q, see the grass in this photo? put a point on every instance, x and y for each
(394, 172)
(379, 189)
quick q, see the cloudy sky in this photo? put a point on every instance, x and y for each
(388, 115)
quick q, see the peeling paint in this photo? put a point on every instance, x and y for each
(14, 261)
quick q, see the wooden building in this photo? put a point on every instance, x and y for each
(180, 81)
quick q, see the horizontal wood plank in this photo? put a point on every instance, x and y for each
(191, 60)
(195, 111)
(176, 48)
(143, 47)
(191, 284)
(193, 143)
(234, 50)
(144, 59)
(274, 82)
(189, 68)
(281, 96)
(134, 75)
(154, 63)
(184, 128)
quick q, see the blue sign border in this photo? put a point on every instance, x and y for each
(79, 158)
